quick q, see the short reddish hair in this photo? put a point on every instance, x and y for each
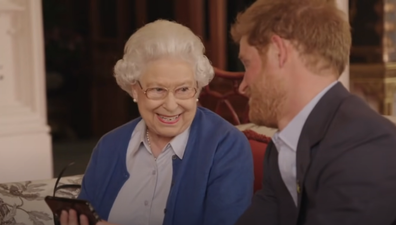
(317, 28)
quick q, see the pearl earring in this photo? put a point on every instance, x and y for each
(134, 100)
(197, 99)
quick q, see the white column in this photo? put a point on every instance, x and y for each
(344, 79)
(25, 143)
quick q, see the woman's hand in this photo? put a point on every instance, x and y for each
(70, 218)
(104, 223)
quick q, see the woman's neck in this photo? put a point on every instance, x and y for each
(156, 143)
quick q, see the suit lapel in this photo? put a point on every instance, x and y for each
(274, 168)
(276, 178)
(314, 130)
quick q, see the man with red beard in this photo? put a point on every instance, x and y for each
(333, 159)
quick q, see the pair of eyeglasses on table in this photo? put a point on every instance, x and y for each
(58, 204)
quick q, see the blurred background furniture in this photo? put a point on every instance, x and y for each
(223, 97)
(373, 53)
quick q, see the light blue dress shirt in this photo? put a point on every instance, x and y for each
(286, 142)
(142, 199)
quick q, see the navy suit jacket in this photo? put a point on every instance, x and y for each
(346, 169)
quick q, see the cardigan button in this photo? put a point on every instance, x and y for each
(165, 210)
(174, 157)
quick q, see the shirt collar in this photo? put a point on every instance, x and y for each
(291, 133)
(178, 143)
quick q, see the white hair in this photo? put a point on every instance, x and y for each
(156, 40)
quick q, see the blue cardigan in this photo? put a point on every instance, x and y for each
(212, 184)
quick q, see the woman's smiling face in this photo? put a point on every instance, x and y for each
(167, 113)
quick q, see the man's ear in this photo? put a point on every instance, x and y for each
(280, 49)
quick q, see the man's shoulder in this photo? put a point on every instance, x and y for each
(356, 121)
(355, 133)
(356, 113)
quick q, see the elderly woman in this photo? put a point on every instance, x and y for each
(178, 164)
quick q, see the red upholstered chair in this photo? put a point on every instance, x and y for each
(258, 143)
(222, 97)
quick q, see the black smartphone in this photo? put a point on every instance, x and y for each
(82, 207)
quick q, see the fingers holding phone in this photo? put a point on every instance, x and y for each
(70, 218)
(72, 209)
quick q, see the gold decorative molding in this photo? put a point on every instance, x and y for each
(375, 83)
(372, 71)
(389, 26)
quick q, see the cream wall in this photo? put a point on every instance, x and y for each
(25, 143)
(344, 79)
